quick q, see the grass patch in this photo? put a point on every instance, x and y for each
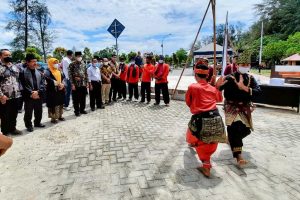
(264, 72)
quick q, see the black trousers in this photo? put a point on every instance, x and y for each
(8, 115)
(20, 102)
(236, 132)
(96, 95)
(31, 105)
(133, 88)
(79, 99)
(114, 89)
(123, 89)
(146, 88)
(162, 87)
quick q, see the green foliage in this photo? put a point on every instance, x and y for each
(87, 55)
(35, 52)
(131, 55)
(181, 55)
(18, 55)
(105, 53)
(59, 53)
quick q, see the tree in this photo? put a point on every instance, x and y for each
(20, 22)
(105, 53)
(42, 18)
(175, 59)
(59, 52)
(18, 56)
(35, 52)
(87, 55)
(280, 17)
(181, 55)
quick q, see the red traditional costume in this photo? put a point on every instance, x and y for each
(201, 97)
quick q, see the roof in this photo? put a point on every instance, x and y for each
(295, 57)
(209, 50)
(210, 47)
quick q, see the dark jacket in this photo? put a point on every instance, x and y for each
(233, 93)
(54, 96)
(27, 83)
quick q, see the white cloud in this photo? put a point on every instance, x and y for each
(84, 23)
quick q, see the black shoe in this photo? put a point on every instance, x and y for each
(119, 97)
(148, 102)
(92, 109)
(101, 107)
(114, 100)
(39, 125)
(77, 114)
(30, 129)
(54, 121)
(83, 112)
(129, 99)
(142, 101)
(61, 119)
(16, 132)
(156, 104)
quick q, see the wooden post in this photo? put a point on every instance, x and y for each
(213, 5)
(192, 50)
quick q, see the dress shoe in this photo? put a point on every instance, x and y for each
(77, 114)
(92, 109)
(101, 107)
(30, 129)
(61, 119)
(16, 132)
(83, 112)
(39, 125)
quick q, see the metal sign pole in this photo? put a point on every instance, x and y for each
(116, 40)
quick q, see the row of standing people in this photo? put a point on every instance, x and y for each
(24, 82)
(109, 81)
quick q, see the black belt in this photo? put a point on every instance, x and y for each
(96, 81)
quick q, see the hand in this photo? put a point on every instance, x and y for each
(91, 87)
(73, 87)
(221, 81)
(3, 99)
(241, 85)
(213, 80)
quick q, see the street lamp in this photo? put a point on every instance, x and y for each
(162, 43)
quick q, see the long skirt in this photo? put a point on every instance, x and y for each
(55, 112)
(204, 150)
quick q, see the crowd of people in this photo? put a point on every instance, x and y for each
(107, 81)
(104, 79)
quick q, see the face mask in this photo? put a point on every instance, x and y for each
(56, 66)
(7, 59)
(244, 70)
(79, 59)
(132, 63)
(105, 63)
(160, 61)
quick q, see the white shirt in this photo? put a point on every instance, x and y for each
(93, 74)
(65, 66)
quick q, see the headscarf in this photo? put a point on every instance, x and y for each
(55, 72)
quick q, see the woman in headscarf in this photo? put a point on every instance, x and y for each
(55, 91)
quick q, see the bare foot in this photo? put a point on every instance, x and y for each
(204, 171)
(241, 162)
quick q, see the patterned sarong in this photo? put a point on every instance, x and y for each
(208, 127)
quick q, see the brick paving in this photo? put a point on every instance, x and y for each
(134, 151)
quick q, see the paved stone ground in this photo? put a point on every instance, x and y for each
(134, 151)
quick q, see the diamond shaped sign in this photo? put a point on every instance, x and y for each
(116, 28)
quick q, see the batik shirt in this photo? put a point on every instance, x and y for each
(78, 70)
(9, 81)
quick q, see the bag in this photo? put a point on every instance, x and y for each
(208, 127)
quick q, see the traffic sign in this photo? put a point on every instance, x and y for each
(116, 28)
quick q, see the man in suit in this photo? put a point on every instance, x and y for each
(34, 87)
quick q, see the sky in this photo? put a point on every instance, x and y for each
(84, 23)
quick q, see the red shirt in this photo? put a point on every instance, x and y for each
(123, 73)
(130, 78)
(230, 69)
(147, 72)
(161, 78)
(202, 97)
